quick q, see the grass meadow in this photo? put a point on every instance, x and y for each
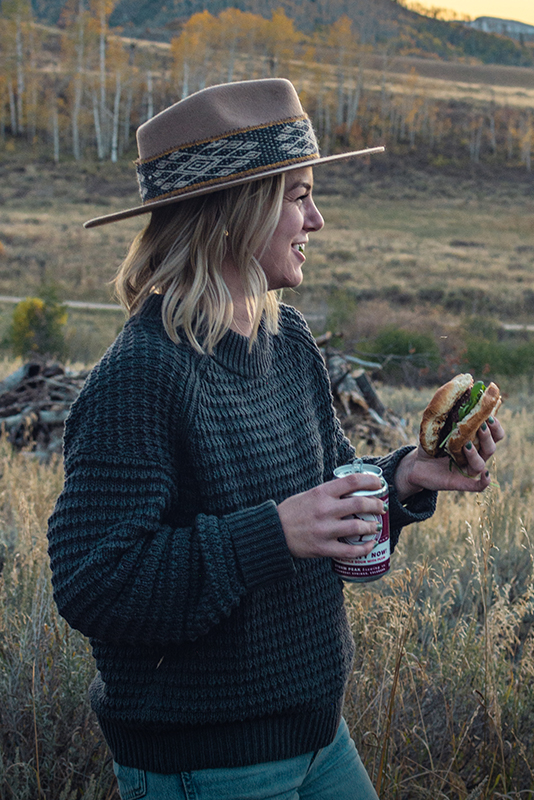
(417, 249)
(441, 700)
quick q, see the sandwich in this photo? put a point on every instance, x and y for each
(454, 415)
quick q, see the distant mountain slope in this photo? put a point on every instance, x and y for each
(377, 22)
(374, 19)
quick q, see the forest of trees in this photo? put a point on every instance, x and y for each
(79, 91)
(401, 25)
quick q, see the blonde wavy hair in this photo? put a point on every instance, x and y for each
(180, 253)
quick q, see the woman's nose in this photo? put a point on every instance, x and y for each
(314, 220)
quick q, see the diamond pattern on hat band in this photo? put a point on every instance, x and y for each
(233, 156)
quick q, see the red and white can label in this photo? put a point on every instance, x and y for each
(375, 564)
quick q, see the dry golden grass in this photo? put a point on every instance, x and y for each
(441, 698)
(443, 678)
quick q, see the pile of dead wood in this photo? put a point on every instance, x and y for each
(34, 403)
(363, 415)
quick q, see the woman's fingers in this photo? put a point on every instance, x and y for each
(496, 429)
(488, 435)
(315, 521)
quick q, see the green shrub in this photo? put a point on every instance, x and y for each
(409, 357)
(487, 353)
(507, 358)
(37, 327)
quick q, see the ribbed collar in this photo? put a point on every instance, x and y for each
(232, 352)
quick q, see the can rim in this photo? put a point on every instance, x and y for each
(351, 469)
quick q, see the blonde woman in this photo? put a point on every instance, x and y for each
(193, 538)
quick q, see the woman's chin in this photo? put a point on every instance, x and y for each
(289, 281)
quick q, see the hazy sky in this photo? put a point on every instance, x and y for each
(521, 10)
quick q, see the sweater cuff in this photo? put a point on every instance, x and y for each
(416, 508)
(260, 545)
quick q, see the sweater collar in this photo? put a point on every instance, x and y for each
(232, 352)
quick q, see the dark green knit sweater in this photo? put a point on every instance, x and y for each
(214, 646)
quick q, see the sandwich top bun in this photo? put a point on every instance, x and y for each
(440, 422)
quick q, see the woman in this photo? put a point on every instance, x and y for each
(194, 535)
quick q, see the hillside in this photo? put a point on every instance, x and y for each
(378, 23)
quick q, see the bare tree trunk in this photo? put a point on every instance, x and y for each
(185, 82)
(32, 109)
(12, 108)
(20, 75)
(127, 116)
(327, 130)
(354, 104)
(102, 114)
(475, 140)
(116, 114)
(76, 150)
(78, 85)
(150, 95)
(98, 129)
(340, 113)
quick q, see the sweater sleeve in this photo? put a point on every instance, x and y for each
(125, 567)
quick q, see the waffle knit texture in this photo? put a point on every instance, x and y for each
(214, 646)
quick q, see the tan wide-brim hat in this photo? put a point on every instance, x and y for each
(223, 136)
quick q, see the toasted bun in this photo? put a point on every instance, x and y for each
(466, 430)
(436, 412)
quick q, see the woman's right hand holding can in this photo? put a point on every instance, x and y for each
(315, 521)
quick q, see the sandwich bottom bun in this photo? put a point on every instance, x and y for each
(440, 418)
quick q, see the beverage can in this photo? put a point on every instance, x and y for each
(375, 564)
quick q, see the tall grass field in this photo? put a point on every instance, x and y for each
(441, 697)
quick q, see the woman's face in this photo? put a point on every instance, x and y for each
(283, 257)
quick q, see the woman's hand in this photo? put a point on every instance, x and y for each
(315, 520)
(419, 471)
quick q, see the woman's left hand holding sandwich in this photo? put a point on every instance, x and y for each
(418, 471)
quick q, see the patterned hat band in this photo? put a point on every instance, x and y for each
(249, 151)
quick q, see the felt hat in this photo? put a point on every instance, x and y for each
(219, 137)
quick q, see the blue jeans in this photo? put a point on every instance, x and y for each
(334, 773)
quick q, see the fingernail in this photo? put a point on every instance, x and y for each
(483, 426)
(491, 420)
(469, 445)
